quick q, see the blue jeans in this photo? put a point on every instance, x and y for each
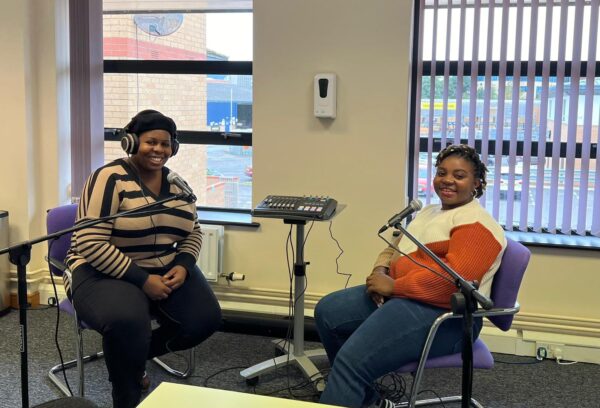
(364, 342)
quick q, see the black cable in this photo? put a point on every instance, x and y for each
(291, 304)
(302, 384)
(312, 223)
(535, 361)
(394, 391)
(139, 177)
(297, 386)
(205, 384)
(337, 265)
(158, 257)
(298, 295)
(56, 342)
(177, 333)
(416, 262)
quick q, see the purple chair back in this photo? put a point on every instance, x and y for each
(58, 219)
(505, 288)
(507, 281)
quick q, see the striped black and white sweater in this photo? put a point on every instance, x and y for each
(127, 247)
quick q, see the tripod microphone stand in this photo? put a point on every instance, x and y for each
(20, 255)
(462, 302)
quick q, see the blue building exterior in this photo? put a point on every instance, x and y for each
(229, 100)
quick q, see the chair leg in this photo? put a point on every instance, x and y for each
(437, 401)
(177, 373)
(78, 362)
(418, 375)
(54, 376)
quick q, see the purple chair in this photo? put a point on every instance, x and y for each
(58, 219)
(505, 288)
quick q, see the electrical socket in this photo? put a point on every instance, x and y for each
(556, 351)
(542, 350)
(548, 350)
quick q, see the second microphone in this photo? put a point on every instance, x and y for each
(174, 178)
(414, 206)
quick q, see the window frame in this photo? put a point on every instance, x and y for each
(530, 237)
(183, 67)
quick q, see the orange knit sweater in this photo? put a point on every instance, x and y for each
(466, 238)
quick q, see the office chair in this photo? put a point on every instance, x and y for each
(505, 288)
(58, 219)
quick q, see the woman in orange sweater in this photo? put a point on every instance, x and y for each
(372, 329)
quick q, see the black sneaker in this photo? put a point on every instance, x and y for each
(145, 382)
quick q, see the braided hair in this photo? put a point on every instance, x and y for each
(469, 154)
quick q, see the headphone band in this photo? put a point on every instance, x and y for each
(130, 141)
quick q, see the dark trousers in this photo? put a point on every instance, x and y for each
(122, 314)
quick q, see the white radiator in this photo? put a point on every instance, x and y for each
(210, 260)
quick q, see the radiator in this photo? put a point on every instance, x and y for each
(210, 260)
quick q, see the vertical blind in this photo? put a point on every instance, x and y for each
(519, 81)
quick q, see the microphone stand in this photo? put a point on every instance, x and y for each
(462, 302)
(20, 255)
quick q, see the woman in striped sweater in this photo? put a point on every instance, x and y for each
(371, 330)
(132, 268)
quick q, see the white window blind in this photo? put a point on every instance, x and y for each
(519, 80)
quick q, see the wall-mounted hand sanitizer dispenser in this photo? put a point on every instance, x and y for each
(325, 90)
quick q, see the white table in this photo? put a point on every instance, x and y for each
(189, 396)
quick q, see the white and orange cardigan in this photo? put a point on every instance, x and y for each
(466, 238)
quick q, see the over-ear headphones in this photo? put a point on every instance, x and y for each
(147, 120)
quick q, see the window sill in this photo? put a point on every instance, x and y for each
(231, 217)
(555, 241)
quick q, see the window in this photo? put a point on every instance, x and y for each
(519, 81)
(194, 66)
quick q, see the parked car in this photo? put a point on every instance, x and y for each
(422, 187)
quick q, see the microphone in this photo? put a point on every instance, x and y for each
(174, 178)
(415, 205)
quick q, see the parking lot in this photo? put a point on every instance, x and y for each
(231, 163)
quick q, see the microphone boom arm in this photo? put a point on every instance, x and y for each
(465, 302)
(464, 285)
(90, 223)
(20, 255)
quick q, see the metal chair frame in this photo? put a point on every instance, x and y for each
(55, 372)
(510, 286)
(418, 375)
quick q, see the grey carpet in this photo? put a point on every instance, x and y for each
(544, 384)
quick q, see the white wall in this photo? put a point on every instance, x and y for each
(356, 158)
(34, 112)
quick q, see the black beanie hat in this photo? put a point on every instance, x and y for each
(150, 120)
